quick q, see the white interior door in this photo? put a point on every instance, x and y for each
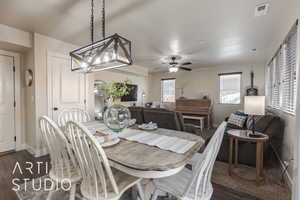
(7, 112)
(67, 88)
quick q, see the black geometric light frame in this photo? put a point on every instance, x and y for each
(111, 52)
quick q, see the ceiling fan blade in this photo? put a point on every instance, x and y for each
(185, 68)
(186, 63)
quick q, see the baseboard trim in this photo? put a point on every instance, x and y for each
(21, 147)
(36, 152)
(287, 178)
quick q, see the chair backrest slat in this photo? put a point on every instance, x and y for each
(94, 166)
(74, 114)
(202, 171)
(61, 159)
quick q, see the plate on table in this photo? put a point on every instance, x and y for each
(148, 127)
(111, 142)
(131, 122)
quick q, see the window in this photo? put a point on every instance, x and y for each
(230, 88)
(168, 90)
(281, 76)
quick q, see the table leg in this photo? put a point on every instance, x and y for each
(262, 162)
(258, 161)
(201, 124)
(236, 149)
(230, 154)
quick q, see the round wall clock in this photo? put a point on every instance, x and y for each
(28, 77)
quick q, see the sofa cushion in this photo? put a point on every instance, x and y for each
(263, 123)
(237, 120)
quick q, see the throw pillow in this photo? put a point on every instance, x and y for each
(240, 113)
(237, 120)
(250, 120)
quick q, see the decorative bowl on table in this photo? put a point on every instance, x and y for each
(117, 117)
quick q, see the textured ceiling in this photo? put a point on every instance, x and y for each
(206, 32)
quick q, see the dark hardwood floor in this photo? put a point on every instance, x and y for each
(7, 172)
(23, 158)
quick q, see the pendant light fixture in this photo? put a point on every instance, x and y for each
(108, 53)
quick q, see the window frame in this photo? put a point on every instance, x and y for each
(240, 89)
(162, 90)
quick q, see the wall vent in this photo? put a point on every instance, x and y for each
(261, 9)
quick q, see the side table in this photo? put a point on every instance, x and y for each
(235, 136)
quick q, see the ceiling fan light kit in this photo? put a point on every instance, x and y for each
(108, 53)
(174, 66)
(173, 69)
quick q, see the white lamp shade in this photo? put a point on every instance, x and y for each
(254, 105)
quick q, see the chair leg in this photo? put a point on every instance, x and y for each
(140, 190)
(154, 195)
(72, 192)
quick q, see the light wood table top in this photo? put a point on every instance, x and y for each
(144, 157)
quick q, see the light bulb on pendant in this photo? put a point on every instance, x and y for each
(106, 57)
(89, 59)
(97, 61)
(84, 65)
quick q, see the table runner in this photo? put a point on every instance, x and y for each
(174, 144)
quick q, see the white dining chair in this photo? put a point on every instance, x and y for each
(73, 114)
(100, 181)
(195, 183)
(64, 168)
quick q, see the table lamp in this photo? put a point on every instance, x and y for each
(254, 105)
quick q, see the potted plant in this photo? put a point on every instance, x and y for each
(116, 90)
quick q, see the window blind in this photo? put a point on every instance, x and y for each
(269, 83)
(289, 73)
(281, 75)
(167, 90)
(230, 88)
(276, 82)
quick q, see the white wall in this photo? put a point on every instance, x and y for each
(43, 45)
(15, 36)
(29, 116)
(206, 81)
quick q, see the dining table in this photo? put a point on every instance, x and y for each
(145, 161)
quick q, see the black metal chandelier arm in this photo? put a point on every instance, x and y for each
(103, 19)
(92, 21)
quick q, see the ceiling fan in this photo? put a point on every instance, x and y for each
(174, 65)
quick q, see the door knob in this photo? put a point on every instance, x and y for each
(55, 108)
